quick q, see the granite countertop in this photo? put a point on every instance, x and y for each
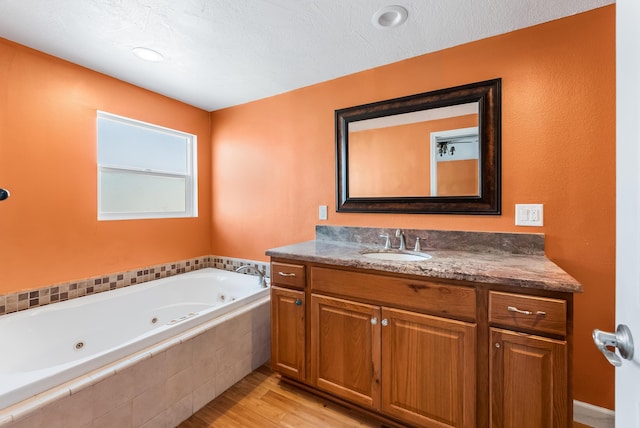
(523, 270)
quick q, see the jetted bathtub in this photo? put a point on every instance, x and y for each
(48, 346)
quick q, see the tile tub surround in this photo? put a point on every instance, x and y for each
(493, 258)
(161, 386)
(29, 299)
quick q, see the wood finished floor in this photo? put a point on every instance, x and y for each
(261, 400)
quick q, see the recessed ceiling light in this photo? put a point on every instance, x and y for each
(389, 17)
(147, 54)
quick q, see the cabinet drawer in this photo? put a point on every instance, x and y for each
(421, 295)
(288, 275)
(528, 312)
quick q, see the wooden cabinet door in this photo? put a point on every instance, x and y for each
(528, 381)
(428, 369)
(345, 349)
(287, 332)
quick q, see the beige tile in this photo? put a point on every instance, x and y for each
(71, 412)
(148, 405)
(179, 357)
(243, 345)
(121, 416)
(160, 421)
(178, 386)
(203, 345)
(102, 374)
(225, 380)
(243, 323)
(149, 373)
(224, 334)
(81, 383)
(203, 394)
(260, 316)
(179, 411)
(32, 421)
(112, 392)
(243, 367)
(203, 373)
(225, 360)
(40, 401)
(260, 355)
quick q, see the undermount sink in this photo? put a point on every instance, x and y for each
(396, 256)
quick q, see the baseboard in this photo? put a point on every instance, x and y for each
(594, 416)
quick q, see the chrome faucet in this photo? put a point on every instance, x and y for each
(400, 234)
(261, 274)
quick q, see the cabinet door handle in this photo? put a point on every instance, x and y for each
(286, 274)
(520, 311)
(384, 322)
(298, 302)
(374, 320)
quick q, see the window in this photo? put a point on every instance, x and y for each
(144, 170)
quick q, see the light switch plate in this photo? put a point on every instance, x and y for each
(529, 215)
(322, 212)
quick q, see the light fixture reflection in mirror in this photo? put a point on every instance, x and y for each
(434, 152)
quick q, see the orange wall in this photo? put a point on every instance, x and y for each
(458, 178)
(273, 160)
(391, 161)
(50, 231)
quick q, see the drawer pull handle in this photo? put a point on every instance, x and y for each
(298, 302)
(374, 320)
(286, 274)
(520, 311)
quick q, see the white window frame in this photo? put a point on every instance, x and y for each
(190, 177)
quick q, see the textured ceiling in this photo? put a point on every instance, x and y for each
(220, 53)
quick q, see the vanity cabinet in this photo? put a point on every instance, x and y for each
(288, 320)
(394, 360)
(416, 351)
(528, 368)
(345, 349)
(428, 369)
(389, 344)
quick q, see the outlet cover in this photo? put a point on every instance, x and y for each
(322, 212)
(529, 215)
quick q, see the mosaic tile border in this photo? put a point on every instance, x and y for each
(29, 299)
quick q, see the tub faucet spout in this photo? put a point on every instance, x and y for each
(261, 274)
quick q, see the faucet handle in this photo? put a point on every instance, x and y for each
(417, 247)
(387, 243)
(400, 234)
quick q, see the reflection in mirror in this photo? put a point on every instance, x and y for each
(455, 160)
(435, 152)
(393, 156)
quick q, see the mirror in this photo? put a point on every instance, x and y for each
(435, 152)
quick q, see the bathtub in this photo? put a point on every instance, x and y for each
(54, 345)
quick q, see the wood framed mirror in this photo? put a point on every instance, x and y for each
(436, 152)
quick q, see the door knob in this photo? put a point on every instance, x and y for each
(621, 339)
